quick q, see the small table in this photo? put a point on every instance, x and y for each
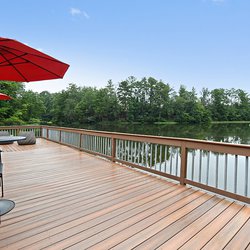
(11, 138)
(6, 206)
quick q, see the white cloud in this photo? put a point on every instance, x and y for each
(85, 14)
(78, 12)
(215, 1)
(75, 12)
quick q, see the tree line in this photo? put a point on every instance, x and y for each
(131, 100)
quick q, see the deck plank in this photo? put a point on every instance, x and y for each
(228, 232)
(185, 234)
(69, 199)
(241, 240)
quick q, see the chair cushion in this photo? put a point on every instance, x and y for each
(30, 138)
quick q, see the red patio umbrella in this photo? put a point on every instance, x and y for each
(21, 63)
(5, 97)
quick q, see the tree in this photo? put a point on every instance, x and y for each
(219, 106)
(124, 93)
(32, 107)
(48, 101)
(188, 108)
(11, 111)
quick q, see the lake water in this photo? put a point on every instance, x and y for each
(232, 133)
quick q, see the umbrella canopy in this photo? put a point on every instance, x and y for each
(4, 97)
(21, 63)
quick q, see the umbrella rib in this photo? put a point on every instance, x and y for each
(34, 65)
(27, 61)
(13, 65)
(44, 56)
(16, 56)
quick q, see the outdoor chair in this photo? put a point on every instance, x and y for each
(30, 138)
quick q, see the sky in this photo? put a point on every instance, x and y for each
(195, 43)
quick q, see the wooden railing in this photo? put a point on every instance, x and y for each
(222, 168)
(15, 130)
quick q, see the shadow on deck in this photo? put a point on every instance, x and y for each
(68, 199)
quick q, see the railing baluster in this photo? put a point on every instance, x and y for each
(156, 148)
(138, 152)
(126, 150)
(208, 165)
(89, 142)
(118, 148)
(151, 155)
(97, 144)
(105, 146)
(235, 173)
(142, 154)
(246, 176)
(101, 145)
(121, 150)
(192, 173)
(135, 152)
(216, 170)
(177, 158)
(145, 154)
(131, 150)
(171, 159)
(165, 158)
(225, 171)
(200, 165)
(160, 157)
(85, 141)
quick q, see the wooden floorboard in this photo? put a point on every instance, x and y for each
(67, 199)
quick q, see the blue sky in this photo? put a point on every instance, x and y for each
(197, 43)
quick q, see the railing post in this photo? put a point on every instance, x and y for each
(47, 136)
(183, 165)
(60, 136)
(80, 141)
(113, 149)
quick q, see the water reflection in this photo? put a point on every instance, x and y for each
(231, 133)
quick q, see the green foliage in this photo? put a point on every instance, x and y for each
(132, 101)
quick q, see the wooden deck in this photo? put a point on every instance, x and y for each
(68, 199)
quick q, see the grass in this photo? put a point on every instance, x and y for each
(165, 123)
(227, 122)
